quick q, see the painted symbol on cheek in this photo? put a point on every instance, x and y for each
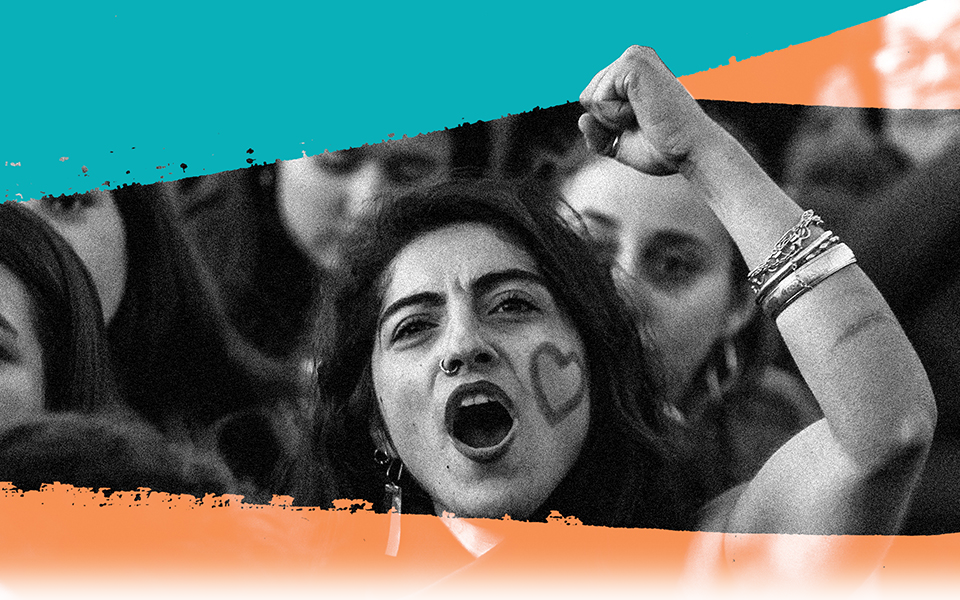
(559, 381)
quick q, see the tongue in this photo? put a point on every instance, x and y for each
(482, 425)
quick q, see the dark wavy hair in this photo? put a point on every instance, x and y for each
(69, 320)
(625, 474)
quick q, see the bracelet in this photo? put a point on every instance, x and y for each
(809, 252)
(806, 278)
(789, 244)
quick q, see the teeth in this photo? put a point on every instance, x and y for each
(474, 400)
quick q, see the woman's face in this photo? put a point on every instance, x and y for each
(499, 435)
(92, 226)
(21, 359)
(674, 255)
(321, 197)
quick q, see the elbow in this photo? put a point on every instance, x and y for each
(911, 437)
(920, 429)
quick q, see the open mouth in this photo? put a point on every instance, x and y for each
(480, 420)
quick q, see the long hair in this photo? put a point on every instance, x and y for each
(69, 319)
(623, 476)
(183, 366)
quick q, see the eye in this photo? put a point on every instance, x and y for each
(672, 267)
(514, 303)
(411, 327)
(606, 250)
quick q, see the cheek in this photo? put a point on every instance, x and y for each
(101, 244)
(21, 392)
(401, 400)
(559, 381)
(686, 325)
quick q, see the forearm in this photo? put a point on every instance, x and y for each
(842, 335)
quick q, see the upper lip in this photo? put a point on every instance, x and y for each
(477, 388)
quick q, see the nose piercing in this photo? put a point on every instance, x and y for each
(452, 369)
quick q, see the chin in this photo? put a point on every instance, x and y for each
(494, 507)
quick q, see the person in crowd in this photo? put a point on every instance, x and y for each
(708, 340)
(485, 363)
(178, 361)
(55, 355)
(876, 173)
(60, 416)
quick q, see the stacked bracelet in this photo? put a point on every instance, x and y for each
(794, 269)
(789, 245)
(805, 278)
(808, 253)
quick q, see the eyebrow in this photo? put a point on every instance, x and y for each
(488, 281)
(675, 237)
(481, 285)
(430, 298)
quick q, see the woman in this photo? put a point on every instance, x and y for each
(60, 419)
(54, 348)
(712, 351)
(480, 360)
(179, 362)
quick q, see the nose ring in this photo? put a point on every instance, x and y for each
(452, 369)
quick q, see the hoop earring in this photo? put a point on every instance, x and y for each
(393, 497)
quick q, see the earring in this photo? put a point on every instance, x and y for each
(392, 497)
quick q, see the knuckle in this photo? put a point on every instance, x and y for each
(639, 51)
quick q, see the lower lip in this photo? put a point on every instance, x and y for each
(490, 453)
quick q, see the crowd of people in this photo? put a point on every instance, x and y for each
(495, 320)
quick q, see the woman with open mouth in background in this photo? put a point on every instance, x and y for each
(486, 365)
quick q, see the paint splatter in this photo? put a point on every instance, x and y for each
(184, 167)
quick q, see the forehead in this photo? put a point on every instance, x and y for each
(454, 254)
(641, 204)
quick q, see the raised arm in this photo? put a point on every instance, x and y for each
(853, 471)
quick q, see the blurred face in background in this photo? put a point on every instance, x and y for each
(21, 358)
(322, 196)
(919, 67)
(92, 225)
(672, 255)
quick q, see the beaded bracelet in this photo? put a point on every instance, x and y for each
(789, 245)
(804, 279)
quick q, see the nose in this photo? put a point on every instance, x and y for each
(366, 183)
(466, 347)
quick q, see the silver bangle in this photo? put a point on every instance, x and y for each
(806, 278)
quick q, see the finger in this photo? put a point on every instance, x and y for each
(588, 92)
(648, 84)
(604, 100)
(598, 136)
